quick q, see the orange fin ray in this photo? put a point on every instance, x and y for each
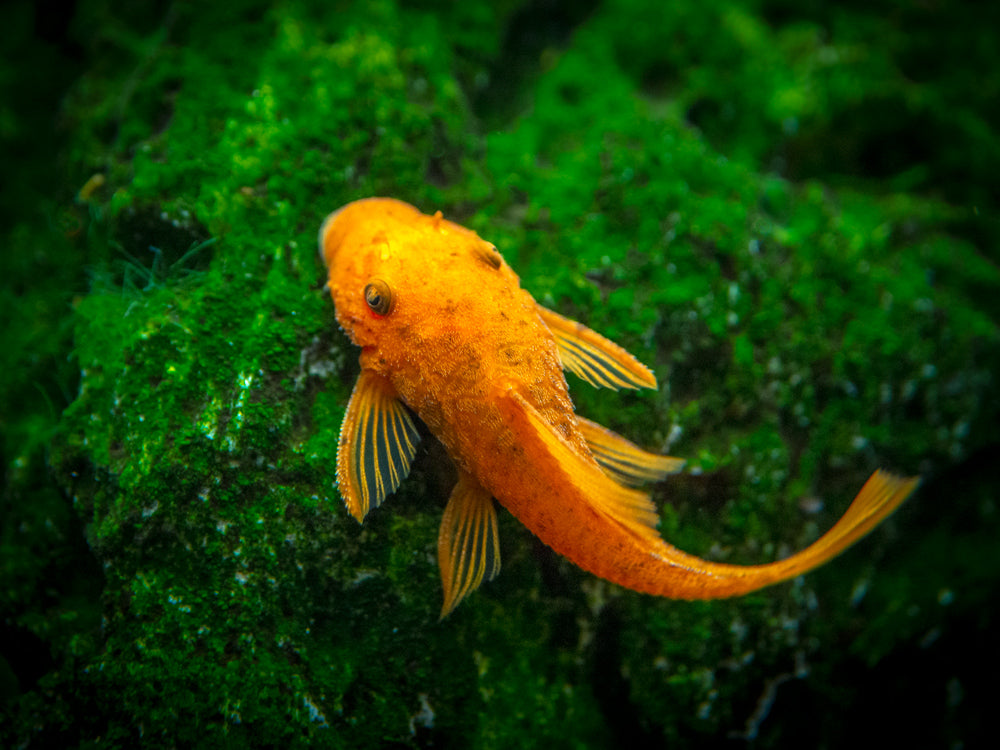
(685, 576)
(877, 499)
(624, 461)
(590, 356)
(468, 542)
(378, 440)
(631, 508)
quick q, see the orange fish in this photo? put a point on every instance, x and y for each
(448, 334)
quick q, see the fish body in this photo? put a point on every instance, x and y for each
(447, 333)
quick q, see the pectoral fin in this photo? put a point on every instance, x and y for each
(590, 356)
(468, 543)
(625, 462)
(378, 440)
(630, 508)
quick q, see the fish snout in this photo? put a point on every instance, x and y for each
(326, 248)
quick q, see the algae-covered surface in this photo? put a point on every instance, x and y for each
(789, 211)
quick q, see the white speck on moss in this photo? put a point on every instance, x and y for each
(315, 715)
(858, 592)
(674, 434)
(424, 717)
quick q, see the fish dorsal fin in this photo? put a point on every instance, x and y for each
(378, 440)
(590, 356)
(468, 543)
(631, 508)
(624, 461)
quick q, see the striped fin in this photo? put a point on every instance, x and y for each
(590, 356)
(378, 440)
(468, 543)
(624, 461)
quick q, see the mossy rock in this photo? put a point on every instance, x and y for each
(178, 566)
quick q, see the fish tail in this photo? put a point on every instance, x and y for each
(878, 498)
(688, 577)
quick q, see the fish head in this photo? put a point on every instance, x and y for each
(402, 280)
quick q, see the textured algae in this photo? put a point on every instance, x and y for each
(186, 575)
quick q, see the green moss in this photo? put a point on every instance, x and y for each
(675, 183)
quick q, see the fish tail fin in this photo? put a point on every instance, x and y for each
(878, 498)
(684, 576)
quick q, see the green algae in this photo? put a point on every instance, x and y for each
(805, 328)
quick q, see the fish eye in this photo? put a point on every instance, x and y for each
(378, 296)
